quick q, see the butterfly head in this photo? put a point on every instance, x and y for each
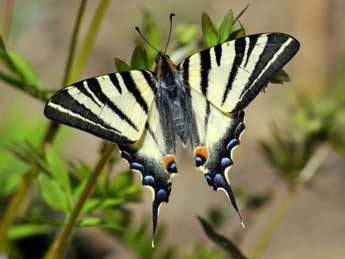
(164, 65)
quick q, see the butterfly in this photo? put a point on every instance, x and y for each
(198, 102)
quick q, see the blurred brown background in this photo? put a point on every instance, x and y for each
(314, 227)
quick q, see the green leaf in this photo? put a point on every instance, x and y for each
(89, 222)
(237, 31)
(91, 204)
(139, 58)
(121, 66)
(20, 231)
(221, 241)
(208, 30)
(225, 27)
(111, 202)
(52, 193)
(280, 77)
(21, 67)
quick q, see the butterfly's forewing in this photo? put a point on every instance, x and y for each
(113, 106)
(219, 134)
(152, 158)
(230, 75)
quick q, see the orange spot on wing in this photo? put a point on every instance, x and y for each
(167, 160)
(201, 151)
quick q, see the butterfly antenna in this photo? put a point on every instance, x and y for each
(145, 40)
(167, 44)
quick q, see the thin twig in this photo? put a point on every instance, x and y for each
(58, 246)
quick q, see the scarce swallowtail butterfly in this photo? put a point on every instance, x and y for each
(199, 102)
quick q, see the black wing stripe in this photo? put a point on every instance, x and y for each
(278, 51)
(218, 53)
(207, 116)
(270, 49)
(205, 61)
(67, 102)
(252, 41)
(185, 68)
(240, 46)
(96, 89)
(115, 82)
(150, 82)
(132, 88)
(83, 90)
(63, 108)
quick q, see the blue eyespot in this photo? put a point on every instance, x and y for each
(225, 162)
(149, 180)
(218, 181)
(172, 168)
(199, 161)
(162, 195)
(232, 143)
(137, 166)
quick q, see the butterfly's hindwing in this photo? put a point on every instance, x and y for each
(152, 157)
(113, 106)
(230, 75)
(219, 134)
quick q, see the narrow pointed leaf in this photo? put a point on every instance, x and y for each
(121, 65)
(21, 231)
(225, 27)
(139, 58)
(89, 222)
(21, 67)
(208, 30)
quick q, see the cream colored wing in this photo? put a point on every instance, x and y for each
(230, 75)
(219, 133)
(153, 159)
(113, 106)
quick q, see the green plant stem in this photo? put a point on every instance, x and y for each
(89, 39)
(58, 247)
(6, 18)
(12, 209)
(285, 202)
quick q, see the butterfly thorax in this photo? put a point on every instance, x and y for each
(174, 104)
